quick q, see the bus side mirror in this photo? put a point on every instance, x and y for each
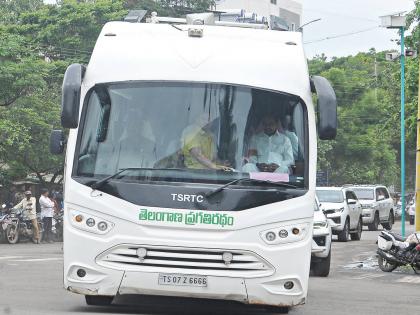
(327, 107)
(57, 142)
(70, 99)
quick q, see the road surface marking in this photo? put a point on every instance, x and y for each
(35, 259)
(10, 257)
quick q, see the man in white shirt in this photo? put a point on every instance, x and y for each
(269, 151)
(47, 213)
(28, 204)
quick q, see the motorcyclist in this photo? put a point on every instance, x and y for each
(410, 242)
(28, 204)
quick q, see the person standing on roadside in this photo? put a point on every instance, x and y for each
(412, 213)
(28, 204)
(47, 213)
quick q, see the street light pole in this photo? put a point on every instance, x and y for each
(307, 23)
(402, 29)
(398, 21)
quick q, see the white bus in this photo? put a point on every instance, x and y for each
(191, 163)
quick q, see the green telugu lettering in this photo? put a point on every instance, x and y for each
(190, 218)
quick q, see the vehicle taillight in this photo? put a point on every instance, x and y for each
(418, 247)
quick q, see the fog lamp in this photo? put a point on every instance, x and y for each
(289, 285)
(81, 273)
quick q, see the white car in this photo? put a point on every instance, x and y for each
(377, 205)
(321, 243)
(341, 205)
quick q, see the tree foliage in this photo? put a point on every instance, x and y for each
(37, 43)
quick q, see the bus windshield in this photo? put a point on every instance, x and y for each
(192, 132)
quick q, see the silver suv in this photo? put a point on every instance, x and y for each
(377, 204)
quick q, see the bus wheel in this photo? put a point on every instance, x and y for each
(98, 299)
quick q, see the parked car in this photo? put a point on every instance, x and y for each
(321, 243)
(378, 206)
(340, 204)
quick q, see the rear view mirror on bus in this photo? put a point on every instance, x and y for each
(70, 99)
(57, 141)
(327, 107)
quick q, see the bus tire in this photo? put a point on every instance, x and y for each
(99, 300)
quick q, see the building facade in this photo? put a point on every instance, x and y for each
(288, 10)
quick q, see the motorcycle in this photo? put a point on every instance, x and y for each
(57, 226)
(395, 251)
(4, 221)
(20, 227)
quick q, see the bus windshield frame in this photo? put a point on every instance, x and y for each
(112, 95)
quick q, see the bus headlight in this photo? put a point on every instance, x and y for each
(88, 222)
(287, 234)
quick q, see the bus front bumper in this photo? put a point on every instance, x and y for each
(111, 269)
(249, 291)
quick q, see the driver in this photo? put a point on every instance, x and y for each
(199, 149)
(269, 150)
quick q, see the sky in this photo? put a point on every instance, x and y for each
(348, 16)
(340, 17)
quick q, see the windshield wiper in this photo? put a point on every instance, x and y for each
(247, 179)
(103, 181)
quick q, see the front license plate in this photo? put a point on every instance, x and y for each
(183, 280)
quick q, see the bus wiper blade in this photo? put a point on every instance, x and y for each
(247, 179)
(103, 181)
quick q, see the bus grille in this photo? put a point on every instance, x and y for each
(184, 260)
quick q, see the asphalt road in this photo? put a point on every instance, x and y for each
(31, 283)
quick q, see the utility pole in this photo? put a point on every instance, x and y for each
(402, 29)
(417, 218)
(397, 21)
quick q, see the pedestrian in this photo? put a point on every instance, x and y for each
(412, 213)
(47, 213)
(28, 204)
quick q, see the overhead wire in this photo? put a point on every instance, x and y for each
(341, 35)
